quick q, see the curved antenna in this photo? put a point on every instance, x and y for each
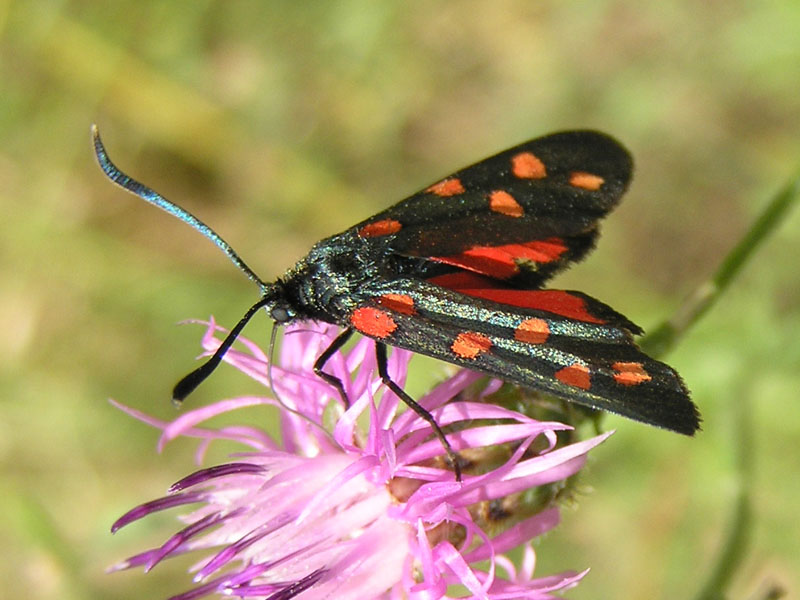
(153, 197)
(188, 384)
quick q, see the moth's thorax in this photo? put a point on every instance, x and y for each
(325, 284)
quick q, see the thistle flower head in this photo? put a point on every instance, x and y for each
(358, 503)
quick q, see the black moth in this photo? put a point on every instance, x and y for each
(455, 272)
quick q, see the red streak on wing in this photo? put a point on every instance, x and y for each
(556, 302)
(461, 280)
(553, 301)
(483, 259)
(501, 262)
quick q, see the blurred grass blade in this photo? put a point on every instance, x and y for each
(666, 335)
(737, 542)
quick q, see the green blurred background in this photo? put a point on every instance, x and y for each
(283, 122)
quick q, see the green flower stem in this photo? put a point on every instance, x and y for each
(664, 337)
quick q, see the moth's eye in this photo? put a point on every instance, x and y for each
(282, 314)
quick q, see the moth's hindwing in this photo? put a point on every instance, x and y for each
(562, 342)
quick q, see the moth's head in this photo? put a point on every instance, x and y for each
(282, 313)
(280, 309)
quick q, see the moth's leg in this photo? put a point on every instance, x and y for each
(336, 345)
(383, 371)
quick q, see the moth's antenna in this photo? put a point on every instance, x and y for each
(188, 384)
(153, 197)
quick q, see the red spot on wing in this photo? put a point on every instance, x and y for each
(526, 165)
(447, 187)
(501, 262)
(532, 331)
(504, 203)
(470, 344)
(380, 228)
(373, 322)
(540, 251)
(399, 303)
(576, 375)
(587, 181)
(630, 373)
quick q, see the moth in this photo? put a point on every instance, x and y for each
(456, 272)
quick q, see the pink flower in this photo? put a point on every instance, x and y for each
(358, 503)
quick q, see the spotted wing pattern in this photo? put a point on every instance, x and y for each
(521, 215)
(569, 345)
(484, 240)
